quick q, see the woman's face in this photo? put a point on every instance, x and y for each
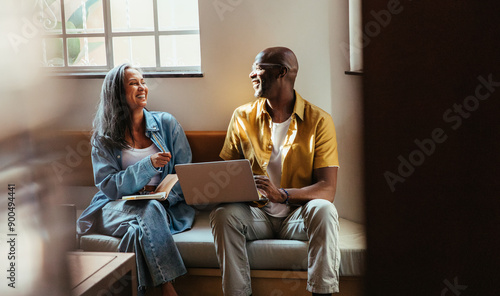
(136, 90)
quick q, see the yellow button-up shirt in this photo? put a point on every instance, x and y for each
(310, 142)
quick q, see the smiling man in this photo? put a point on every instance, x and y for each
(291, 145)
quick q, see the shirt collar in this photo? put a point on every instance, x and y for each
(151, 124)
(298, 108)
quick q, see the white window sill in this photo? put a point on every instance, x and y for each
(146, 74)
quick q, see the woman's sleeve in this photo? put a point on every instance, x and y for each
(182, 152)
(181, 146)
(113, 181)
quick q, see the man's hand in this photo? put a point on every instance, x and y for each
(272, 192)
(323, 187)
(160, 159)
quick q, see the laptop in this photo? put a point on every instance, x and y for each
(217, 182)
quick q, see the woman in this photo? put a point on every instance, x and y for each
(132, 151)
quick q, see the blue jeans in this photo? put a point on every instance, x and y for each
(316, 221)
(143, 226)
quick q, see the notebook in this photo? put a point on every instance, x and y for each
(217, 182)
(161, 192)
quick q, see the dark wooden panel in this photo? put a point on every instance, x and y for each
(431, 147)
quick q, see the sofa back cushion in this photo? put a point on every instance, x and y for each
(206, 145)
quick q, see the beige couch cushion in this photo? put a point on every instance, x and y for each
(198, 251)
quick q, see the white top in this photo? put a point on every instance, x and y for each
(131, 156)
(278, 135)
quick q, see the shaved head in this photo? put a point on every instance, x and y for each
(280, 55)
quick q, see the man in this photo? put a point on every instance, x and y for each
(291, 145)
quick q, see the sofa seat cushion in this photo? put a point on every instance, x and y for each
(198, 251)
(99, 243)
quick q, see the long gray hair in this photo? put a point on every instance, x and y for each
(113, 118)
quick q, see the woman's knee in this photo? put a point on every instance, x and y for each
(131, 233)
(151, 208)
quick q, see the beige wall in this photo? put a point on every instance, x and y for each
(229, 42)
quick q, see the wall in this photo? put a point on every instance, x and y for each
(230, 39)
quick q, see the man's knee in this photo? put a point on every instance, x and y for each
(224, 214)
(322, 210)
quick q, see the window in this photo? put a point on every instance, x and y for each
(95, 35)
(355, 36)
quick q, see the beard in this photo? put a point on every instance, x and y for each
(262, 90)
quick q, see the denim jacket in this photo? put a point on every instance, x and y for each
(114, 182)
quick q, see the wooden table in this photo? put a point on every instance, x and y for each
(102, 273)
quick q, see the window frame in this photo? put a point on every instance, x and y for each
(100, 71)
(355, 46)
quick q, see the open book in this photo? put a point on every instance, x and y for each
(161, 192)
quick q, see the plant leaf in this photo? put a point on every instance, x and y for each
(77, 17)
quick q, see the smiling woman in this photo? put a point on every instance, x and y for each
(133, 150)
(136, 89)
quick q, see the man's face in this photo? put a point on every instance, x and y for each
(263, 77)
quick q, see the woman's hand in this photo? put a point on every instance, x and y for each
(272, 192)
(160, 159)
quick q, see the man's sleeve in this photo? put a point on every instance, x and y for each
(326, 153)
(232, 148)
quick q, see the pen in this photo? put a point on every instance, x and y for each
(159, 143)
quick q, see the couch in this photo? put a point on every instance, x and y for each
(278, 266)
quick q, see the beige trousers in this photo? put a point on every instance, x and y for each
(316, 221)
